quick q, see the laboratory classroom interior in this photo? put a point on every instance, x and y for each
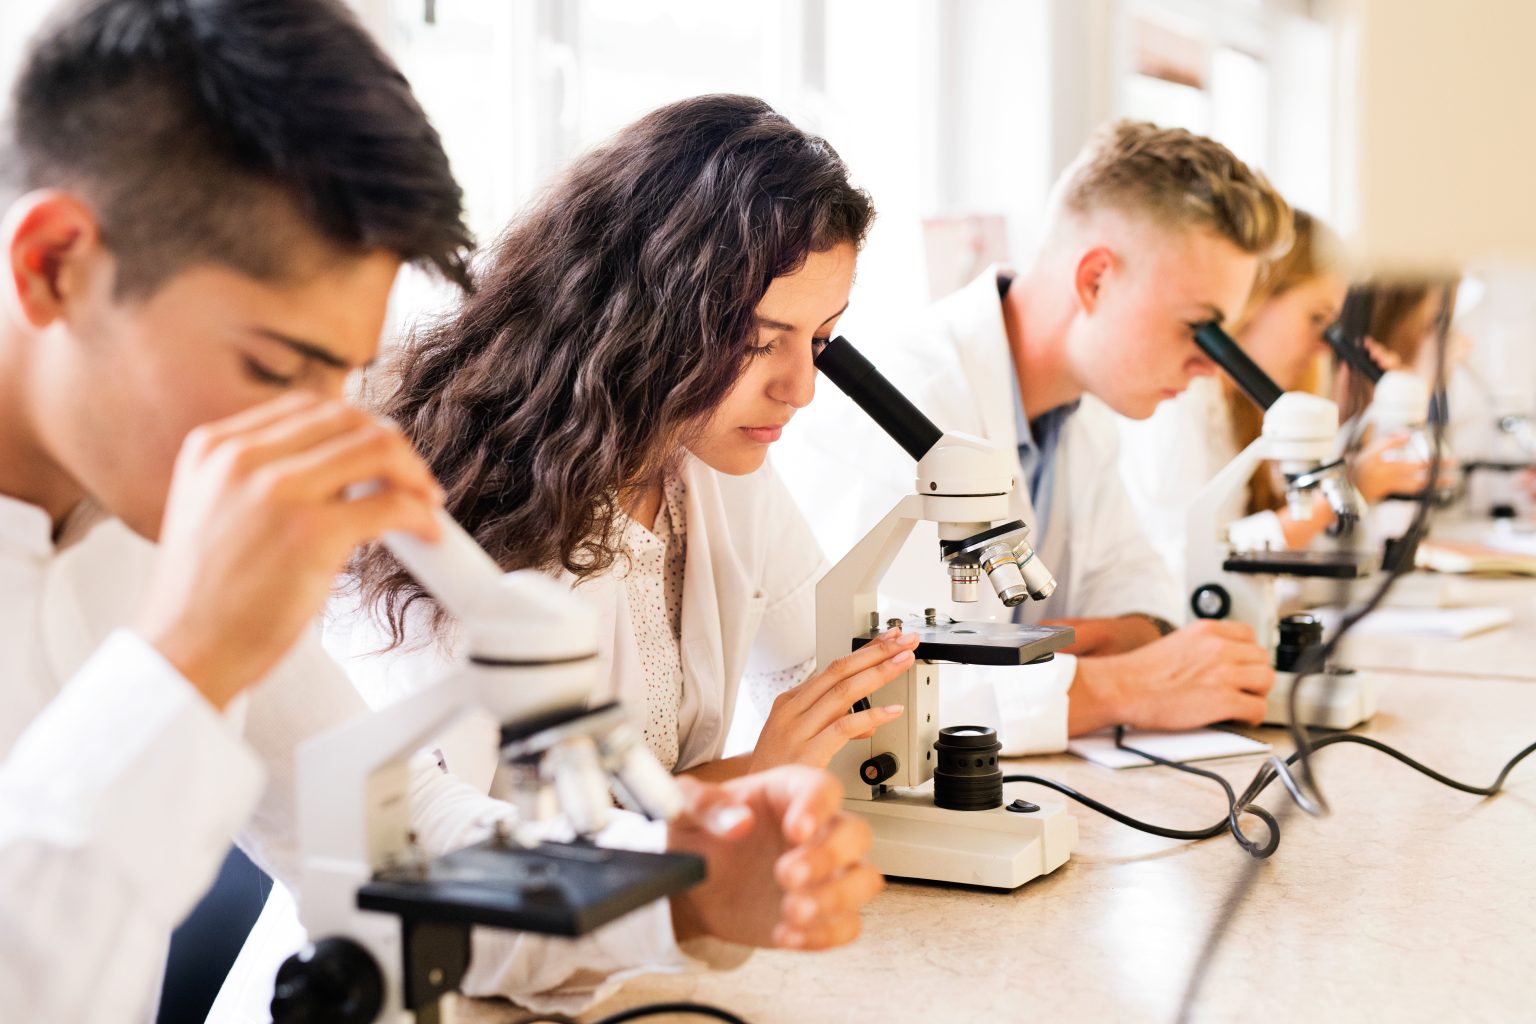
(882, 510)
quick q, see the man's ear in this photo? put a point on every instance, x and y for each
(1089, 279)
(49, 238)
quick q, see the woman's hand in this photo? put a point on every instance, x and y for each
(1383, 468)
(785, 863)
(811, 722)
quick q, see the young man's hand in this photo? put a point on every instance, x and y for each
(1210, 671)
(789, 868)
(1107, 636)
(257, 525)
(811, 722)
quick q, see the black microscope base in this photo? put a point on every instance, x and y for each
(552, 889)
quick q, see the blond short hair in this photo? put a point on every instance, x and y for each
(1179, 179)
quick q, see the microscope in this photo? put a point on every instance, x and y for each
(389, 925)
(1300, 433)
(1509, 452)
(957, 829)
(1400, 404)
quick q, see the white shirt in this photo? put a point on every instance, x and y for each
(747, 620)
(121, 789)
(956, 366)
(653, 573)
(1168, 458)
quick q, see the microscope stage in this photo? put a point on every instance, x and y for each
(1337, 565)
(982, 643)
(551, 889)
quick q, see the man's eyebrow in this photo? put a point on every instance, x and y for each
(307, 349)
(779, 325)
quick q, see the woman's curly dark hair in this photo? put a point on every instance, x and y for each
(611, 318)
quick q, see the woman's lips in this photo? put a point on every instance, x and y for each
(763, 435)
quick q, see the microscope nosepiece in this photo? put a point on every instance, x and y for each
(964, 580)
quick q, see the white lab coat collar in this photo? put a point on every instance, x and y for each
(25, 529)
(973, 319)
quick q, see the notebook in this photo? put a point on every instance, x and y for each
(1194, 745)
(1459, 557)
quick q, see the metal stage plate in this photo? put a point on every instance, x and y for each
(1334, 565)
(552, 889)
(982, 643)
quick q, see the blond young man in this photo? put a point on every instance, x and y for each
(1150, 232)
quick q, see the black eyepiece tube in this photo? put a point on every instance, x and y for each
(1347, 336)
(1245, 373)
(857, 378)
(1352, 354)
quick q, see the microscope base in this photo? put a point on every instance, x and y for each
(999, 849)
(1350, 699)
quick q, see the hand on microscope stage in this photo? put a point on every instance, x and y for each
(1385, 358)
(810, 722)
(1381, 468)
(256, 528)
(1210, 671)
(785, 866)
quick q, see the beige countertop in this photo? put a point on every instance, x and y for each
(1411, 902)
(1507, 652)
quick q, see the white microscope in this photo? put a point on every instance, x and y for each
(1399, 404)
(1300, 433)
(957, 829)
(390, 927)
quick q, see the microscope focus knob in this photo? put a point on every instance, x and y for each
(879, 768)
(335, 981)
(1210, 601)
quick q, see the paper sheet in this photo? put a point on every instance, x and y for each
(1195, 745)
(1443, 623)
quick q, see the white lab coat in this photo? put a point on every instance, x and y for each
(955, 365)
(748, 615)
(1168, 458)
(121, 789)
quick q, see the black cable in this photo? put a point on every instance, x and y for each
(1120, 816)
(1235, 808)
(641, 1012)
(657, 1009)
(1497, 786)
(1305, 791)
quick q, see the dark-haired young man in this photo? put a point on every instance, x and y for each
(206, 205)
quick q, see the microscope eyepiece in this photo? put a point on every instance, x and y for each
(857, 378)
(1245, 373)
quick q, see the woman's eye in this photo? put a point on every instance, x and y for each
(755, 351)
(264, 375)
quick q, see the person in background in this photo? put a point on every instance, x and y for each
(1168, 458)
(1150, 233)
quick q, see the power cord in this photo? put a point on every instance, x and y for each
(641, 1012)
(1274, 769)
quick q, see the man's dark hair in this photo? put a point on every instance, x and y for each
(206, 131)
